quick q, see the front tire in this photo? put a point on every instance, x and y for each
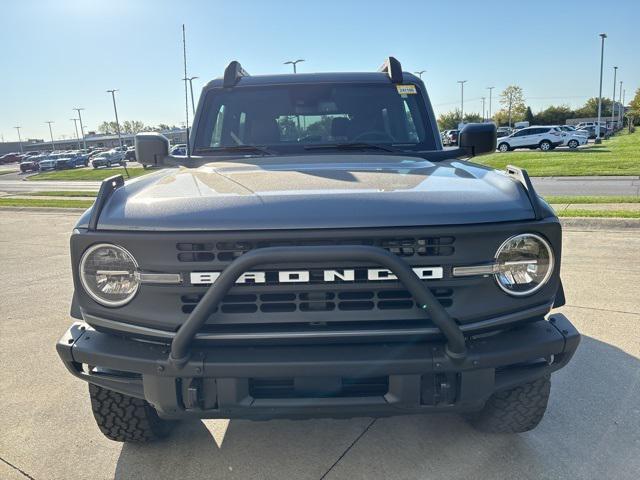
(126, 419)
(572, 144)
(545, 145)
(503, 147)
(516, 410)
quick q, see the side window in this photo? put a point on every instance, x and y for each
(521, 133)
(216, 136)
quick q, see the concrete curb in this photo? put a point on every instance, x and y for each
(595, 223)
(76, 211)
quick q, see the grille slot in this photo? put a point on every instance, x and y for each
(226, 252)
(382, 299)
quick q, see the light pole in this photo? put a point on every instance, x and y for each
(624, 92)
(294, 63)
(115, 109)
(613, 99)
(190, 80)
(84, 142)
(462, 82)
(598, 139)
(19, 138)
(53, 147)
(483, 98)
(490, 89)
(420, 73)
(620, 107)
(75, 124)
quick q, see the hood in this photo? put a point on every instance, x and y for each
(319, 191)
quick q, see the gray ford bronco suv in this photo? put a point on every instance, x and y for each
(317, 253)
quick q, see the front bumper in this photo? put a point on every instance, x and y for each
(319, 380)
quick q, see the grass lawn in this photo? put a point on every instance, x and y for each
(96, 174)
(599, 213)
(591, 199)
(79, 193)
(41, 202)
(619, 155)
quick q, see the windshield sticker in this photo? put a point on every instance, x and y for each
(406, 89)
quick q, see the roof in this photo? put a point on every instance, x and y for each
(325, 77)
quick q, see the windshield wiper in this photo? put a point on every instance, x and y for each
(350, 146)
(235, 149)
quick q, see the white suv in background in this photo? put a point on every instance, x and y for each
(572, 137)
(544, 138)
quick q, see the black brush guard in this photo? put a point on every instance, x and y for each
(180, 347)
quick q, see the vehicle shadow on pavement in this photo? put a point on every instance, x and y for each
(589, 431)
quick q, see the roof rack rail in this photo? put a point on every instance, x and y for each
(107, 187)
(232, 74)
(392, 67)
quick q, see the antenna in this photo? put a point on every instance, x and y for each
(186, 95)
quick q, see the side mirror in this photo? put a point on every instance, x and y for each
(478, 138)
(152, 148)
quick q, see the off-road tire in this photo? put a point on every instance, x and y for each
(517, 410)
(126, 419)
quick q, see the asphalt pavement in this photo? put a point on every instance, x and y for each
(590, 429)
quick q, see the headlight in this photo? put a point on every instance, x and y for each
(524, 264)
(108, 274)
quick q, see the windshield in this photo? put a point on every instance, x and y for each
(290, 117)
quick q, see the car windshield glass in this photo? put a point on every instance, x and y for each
(292, 117)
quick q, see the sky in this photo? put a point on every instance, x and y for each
(61, 54)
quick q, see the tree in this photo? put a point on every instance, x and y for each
(512, 100)
(590, 108)
(554, 115)
(449, 120)
(132, 127)
(472, 118)
(108, 128)
(528, 116)
(634, 108)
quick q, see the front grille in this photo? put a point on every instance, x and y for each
(228, 251)
(317, 301)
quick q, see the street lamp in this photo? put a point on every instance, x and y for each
(115, 109)
(19, 138)
(53, 147)
(613, 99)
(490, 89)
(84, 142)
(621, 107)
(75, 124)
(598, 139)
(462, 82)
(483, 99)
(190, 80)
(294, 63)
(420, 73)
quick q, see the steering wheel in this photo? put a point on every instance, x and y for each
(373, 135)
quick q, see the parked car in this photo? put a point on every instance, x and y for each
(49, 162)
(31, 163)
(179, 150)
(72, 160)
(503, 131)
(108, 159)
(544, 138)
(451, 138)
(10, 158)
(130, 155)
(573, 138)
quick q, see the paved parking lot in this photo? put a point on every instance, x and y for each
(591, 429)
